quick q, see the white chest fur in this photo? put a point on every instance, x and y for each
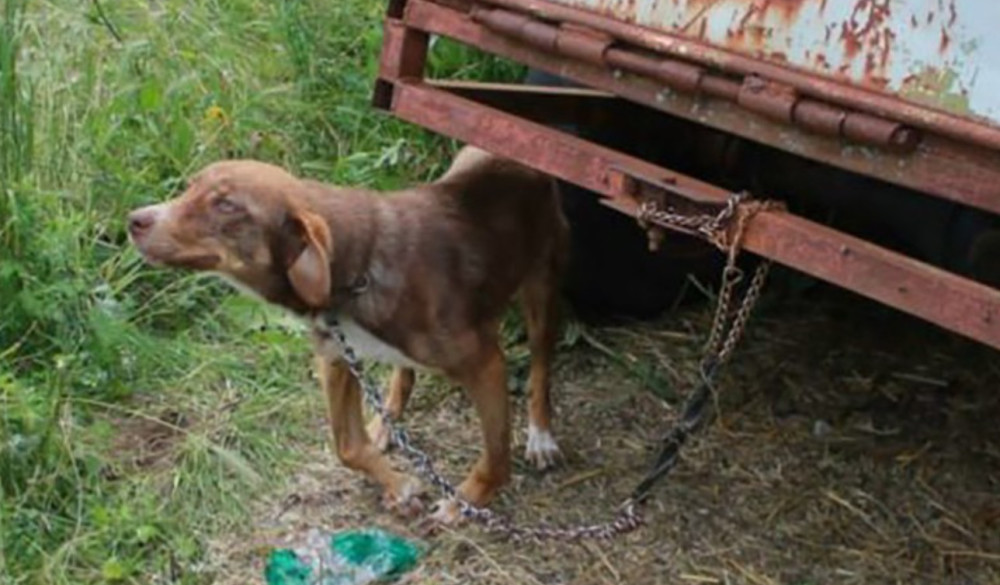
(365, 345)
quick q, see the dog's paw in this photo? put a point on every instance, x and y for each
(405, 501)
(444, 513)
(379, 434)
(542, 451)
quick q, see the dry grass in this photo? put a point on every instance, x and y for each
(853, 446)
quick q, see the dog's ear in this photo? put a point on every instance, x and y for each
(308, 267)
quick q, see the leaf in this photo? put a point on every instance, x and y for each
(113, 570)
(101, 517)
(145, 533)
(150, 96)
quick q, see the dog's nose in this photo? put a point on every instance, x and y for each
(140, 220)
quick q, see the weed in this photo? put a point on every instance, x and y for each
(139, 407)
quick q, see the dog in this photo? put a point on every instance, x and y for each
(418, 278)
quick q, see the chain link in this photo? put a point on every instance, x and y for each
(627, 519)
(717, 350)
(720, 344)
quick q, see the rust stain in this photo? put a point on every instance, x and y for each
(788, 9)
(889, 37)
(758, 35)
(870, 65)
(757, 22)
(703, 7)
(867, 35)
(751, 10)
(864, 39)
(945, 41)
(867, 16)
(878, 81)
(851, 43)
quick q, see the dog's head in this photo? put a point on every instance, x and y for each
(247, 221)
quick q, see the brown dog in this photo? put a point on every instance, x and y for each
(418, 278)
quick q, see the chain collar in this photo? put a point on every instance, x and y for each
(355, 289)
(342, 295)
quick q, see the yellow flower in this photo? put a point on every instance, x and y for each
(215, 113)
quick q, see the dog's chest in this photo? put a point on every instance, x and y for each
(366, 346)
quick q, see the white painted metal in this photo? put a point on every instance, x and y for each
(942, 53)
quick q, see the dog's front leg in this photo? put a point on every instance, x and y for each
(400, 388)
(485, 379)
(354, 449)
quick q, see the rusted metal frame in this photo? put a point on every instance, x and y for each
(404, 53)
(776, 101)
(919, 116)
(555, 106)
(950, 301)
(940, 167)
(552, 105)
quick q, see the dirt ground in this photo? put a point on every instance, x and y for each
(853, 445)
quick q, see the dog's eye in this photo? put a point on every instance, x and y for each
(226, 205)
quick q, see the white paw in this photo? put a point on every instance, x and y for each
(378, 433)
(541, 450)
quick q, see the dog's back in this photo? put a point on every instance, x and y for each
(454, 252)
(507, 201)
(511, 216)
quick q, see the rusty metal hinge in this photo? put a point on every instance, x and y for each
(570, 40)
(767, 98)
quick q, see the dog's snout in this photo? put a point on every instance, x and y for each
(140, 220)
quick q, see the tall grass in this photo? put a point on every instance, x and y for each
(15, 139)
(15, 100)
(139, 407)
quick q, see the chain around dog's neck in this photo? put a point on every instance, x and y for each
(355, 289)
(341, 295)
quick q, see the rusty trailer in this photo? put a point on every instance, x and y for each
(904, 94)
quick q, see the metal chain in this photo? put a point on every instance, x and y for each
(627, 520)
(720, 344)
(629, 516)
(732, 275)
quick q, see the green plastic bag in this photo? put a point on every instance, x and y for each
(350, 557)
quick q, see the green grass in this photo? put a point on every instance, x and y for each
(138, 407)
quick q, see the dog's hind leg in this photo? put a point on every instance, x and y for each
(539, 302)
(400, 388)
(485, 378)
(539, 297)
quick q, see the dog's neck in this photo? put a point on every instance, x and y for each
(351, 217)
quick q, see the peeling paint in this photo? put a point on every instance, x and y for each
(882, 45)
